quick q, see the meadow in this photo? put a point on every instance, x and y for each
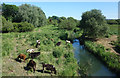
(23, 25)
(114, 29)
(62, 57)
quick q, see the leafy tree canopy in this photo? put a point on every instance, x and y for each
(94, 24)
(31, 14)
(9, 11)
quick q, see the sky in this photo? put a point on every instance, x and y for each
(74, 9)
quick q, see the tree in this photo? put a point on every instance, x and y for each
(53, 20)
(6, 26)
(68, 24)
(93, 24)
(9, 11)
(112, 21)
(31, 14)
(118, 21)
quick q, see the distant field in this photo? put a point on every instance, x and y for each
(113, 29)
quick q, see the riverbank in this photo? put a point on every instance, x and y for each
(90, 64)
(110, 59)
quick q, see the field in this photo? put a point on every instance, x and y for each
(15, 43)
(113, 29)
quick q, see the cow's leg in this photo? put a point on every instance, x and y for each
(34, 69)
(43, 69)
(24, 59)
(51, 71)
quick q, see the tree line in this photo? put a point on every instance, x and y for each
(26, 17)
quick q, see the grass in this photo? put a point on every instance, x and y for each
(113, 29)
(15, 43)
(110, 59)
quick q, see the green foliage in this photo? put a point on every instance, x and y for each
(113, 29)
(94, 24)
(112, 21)
(57, 52)
(71, 36)
(54, 20)
(68, 24)
(6, 26)
(117, 46)
(7, 45)
(109, 58)
(23, 27)
(9, 11)
(31, 14)
(118, 21)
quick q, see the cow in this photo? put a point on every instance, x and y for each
(58, 44)
(38, 43)
(49, 67)
(32, 65)
(33, 55)
(30, 50)
(67, 41)
(22, 56)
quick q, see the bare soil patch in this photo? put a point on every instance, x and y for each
(106, 43)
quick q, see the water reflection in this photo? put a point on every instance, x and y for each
(94, 66)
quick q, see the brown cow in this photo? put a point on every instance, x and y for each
(49, 67)
(32, 64)
(22, 56)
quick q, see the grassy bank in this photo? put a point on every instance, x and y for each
(113, 29)
(110, 59)
(15, 43)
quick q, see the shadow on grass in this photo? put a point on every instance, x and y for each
(44, 71)
(116, 50)
(26, 68)
(18, 60)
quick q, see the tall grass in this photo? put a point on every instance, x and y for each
(50, 53)
(113, 29)
(110, 59)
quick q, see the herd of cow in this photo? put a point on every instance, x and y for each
(32, 55)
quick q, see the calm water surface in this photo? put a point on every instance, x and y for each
(95, 66)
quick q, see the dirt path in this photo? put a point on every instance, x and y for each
(106, 43)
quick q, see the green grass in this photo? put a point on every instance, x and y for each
(110, 59)
(113, 29)
(15, 43)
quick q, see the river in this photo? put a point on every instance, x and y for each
(94, 66)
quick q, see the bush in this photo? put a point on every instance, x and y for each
(57, 53)
(68, 24)
(22, 27)
(117, 46)
(6, 26)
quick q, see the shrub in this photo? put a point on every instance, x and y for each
(6, 26)
(57, 53)
(22, 27)
(68, 24)
(117, 46)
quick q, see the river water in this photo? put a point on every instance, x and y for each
(94, 66)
